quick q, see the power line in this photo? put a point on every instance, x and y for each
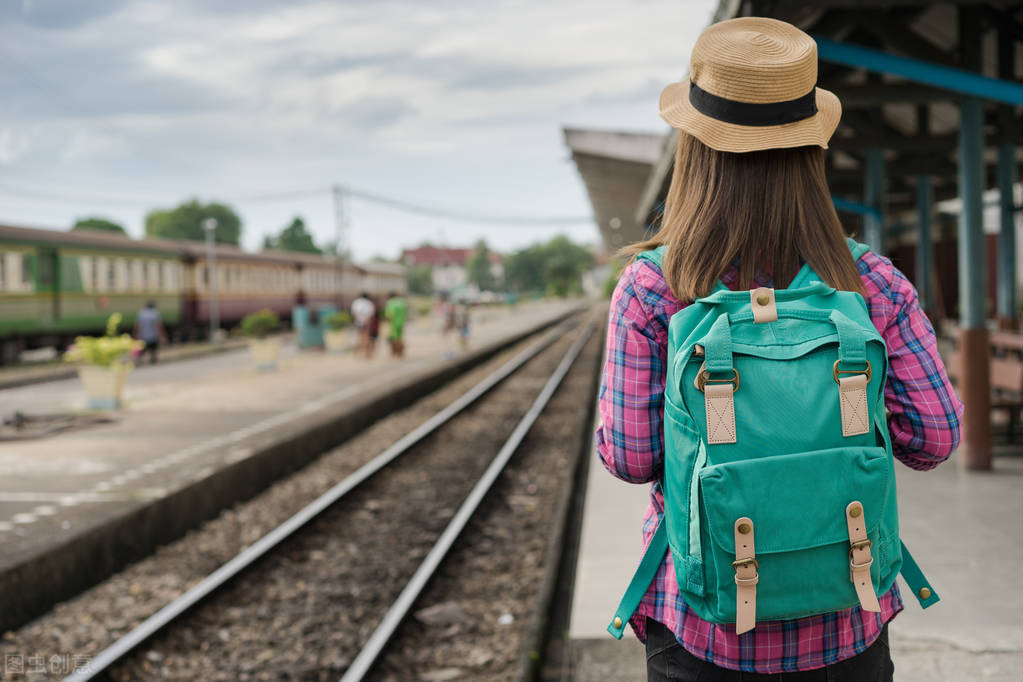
(393, 203)
(464, 216)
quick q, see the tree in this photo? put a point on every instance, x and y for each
(564, 264)
(555, 267)
(185, 222)
(477, 267)
(523, 270)
(330, 249)
(294, 237)
(420, 279)
(97, 224)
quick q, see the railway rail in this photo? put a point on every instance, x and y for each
(273, 545)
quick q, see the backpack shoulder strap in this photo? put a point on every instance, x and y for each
(651, 561)
(856, 248)
(807, 275)
(655, 256)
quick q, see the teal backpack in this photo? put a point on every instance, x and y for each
(779, 481)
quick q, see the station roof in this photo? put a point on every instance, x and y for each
(916, 124)
(615, 167)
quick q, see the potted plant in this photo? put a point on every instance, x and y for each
(104, 362)
(265, 350)
(335, 339)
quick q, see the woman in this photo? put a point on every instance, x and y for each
(749, 204)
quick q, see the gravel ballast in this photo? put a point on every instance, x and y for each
(302, 613)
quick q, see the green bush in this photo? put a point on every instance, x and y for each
(338, 320)
(105, 351)
(259, 324)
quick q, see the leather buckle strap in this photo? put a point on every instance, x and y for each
(859, 544)
(745, 562)
(860, 558)
(746, 576)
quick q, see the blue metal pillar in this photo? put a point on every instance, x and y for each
(873, 196)
(925, 244)
(1007, 299)
(975, 383)
(1007, 306)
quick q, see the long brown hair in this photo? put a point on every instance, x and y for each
(769, 210)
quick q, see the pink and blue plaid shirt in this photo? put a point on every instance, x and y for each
(924, 423)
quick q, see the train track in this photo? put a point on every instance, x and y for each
(302, 526)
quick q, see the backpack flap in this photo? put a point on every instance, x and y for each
(801, 535)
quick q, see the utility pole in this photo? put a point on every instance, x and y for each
(210, 225)
(340, 196)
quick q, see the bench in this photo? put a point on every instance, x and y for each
(1005, 372)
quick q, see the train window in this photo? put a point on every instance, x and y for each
(84, 272)
(111, 274)
(26, 272)
(45, 264)
(3, 271)
(130, 274)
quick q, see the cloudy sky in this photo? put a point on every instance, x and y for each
(114, 107)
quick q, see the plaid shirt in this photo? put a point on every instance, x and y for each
(923, 420)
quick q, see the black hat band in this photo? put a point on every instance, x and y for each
(752, 113)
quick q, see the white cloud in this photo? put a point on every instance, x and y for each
(451, 102)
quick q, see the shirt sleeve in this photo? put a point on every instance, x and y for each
(924, 411)
(630, 439)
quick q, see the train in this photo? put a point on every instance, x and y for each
(55, 285)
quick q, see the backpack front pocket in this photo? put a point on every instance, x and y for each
(797, 505)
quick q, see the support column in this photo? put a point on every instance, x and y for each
(873, 196)
(925, 244)
(1008, 312)
(974, 382)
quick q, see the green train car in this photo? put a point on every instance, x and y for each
(57, 285)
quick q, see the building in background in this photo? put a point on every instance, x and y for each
(448, 266)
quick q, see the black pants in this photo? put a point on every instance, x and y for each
(150, 350)
(668, 661)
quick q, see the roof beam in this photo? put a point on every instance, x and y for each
(871, 4)
(918, 71)
(869, 95)
(895, 32)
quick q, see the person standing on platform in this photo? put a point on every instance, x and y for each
(149, 329)
(374, 330)
(445, 312)
(363, 312)
(461, 322)
(396, 311)
(748, 209)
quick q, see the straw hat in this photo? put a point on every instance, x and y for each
(751, 86)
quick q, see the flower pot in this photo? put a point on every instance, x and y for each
(103, 385)
(336, 340)
(265, 353)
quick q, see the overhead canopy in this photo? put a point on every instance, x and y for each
(894, 103)
(615, 167)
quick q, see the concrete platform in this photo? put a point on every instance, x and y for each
(974, 633)
(12, 377)
(194, 436)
